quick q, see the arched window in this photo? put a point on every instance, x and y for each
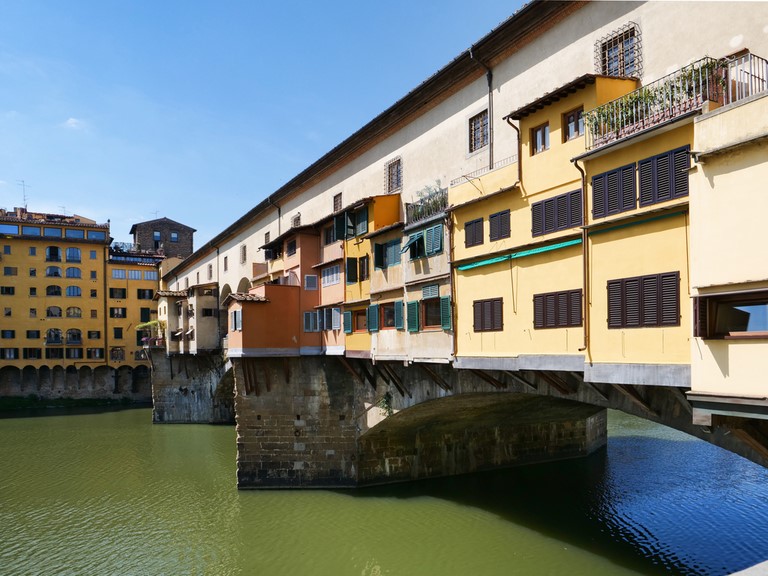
(53, 272)
(53, 336)
(74, 336)
(73, 273)
(52, 254)
(73, 254)
(53, 290)
(53, 312)
(74, 312)
(74, 291)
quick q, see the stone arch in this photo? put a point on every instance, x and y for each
(123, 380)
(44, 379)
(244, 285)
(226, 290)
(85, 378)
(10, 381)
(102, 380)
(29, 379)
(141, 381)
(71, 380)
(58, 378)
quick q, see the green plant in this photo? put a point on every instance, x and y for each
(385, 404)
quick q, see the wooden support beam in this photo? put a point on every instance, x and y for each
(521, 380)
(286, 370)
(396, 380)
(755, 439)
(435, 376)
(630, 392)
(490, 379)
(267, 379)
(368, 376)
(596, 390)
(381, 374)
(681, 397)
(556, 382)
(350, 369)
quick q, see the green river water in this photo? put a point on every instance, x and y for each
(110, 493)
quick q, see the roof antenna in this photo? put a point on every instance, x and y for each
(24, 191)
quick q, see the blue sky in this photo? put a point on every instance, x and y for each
(128, 110)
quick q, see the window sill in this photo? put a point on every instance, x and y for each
(746, 336)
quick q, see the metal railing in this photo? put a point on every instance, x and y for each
(427, 206)
(675, 95)
(484, 170)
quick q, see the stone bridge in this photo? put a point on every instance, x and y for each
(326, 422)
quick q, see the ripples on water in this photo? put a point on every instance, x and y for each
(108, 493)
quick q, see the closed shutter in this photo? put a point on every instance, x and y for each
(550, 310)
(561, 220)
(373, 318)
(615, 304)
(650, 287)
(598, 196)
(645, 170)
(670, 299)
(430, 291)
(351, 270)
(681, 162)
(574, 313)
(663, 178)
(701, 317)
(429, 240)
(477, 316)
(340, 226)
(538, 311)
(537, 219)
(361, 221)
(632, 302)
(628, 192)
(562, 309)
(497, 314)
(612, 192)
(504, 229)
(446, 321)
(437, 239)
(549, 215)
(378, 256)
(412, 310)
(575, 217)
(398, 314)
(348, 322)
(499, 225)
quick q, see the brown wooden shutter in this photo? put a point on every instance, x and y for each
(615, 302)
(498, 318)
(562, 309)
(632, 302)
(645, 171)
(663, 178)
(681, 162)
(574, 313)
(537, 219)
(628, 193)
(477, 314)
(598, 196)
(612, 192)
(670, 299)
(701, 317)
(650, 300)
(575, 216)
(550, 310)
(538, 311)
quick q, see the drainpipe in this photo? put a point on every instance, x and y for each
(489, 78)
(519, 151)
(454, 314)
(218, 305)
(584, 253)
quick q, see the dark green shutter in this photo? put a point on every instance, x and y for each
(348, 322)
(445, 312)
(378, 256)
(373, 318)
(351, 270)
(340, 226)
(413, 316)
(361, 221)
(399, 314)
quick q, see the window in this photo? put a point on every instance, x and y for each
(386, 255)
(394, 175)
(488, 315)
(33, 272)
(92, 255)
(144, 314)
(614, 192)
(94, 313)
(30, 231)
(53, 272)
(364, 265)
(644, 301)
(7, 290)
(117, 354)
(96, 235)
(150, 274)
(296, 221)
(619, 53)
(351, 223)
(33, 334)
(118, 274)
(235, 320)
(117, 333)
(226, 263)
(351, 270)
(33, 291)
(312, 321)
(33, 312)
(134, 274)
(7, 248)
(53, 290)
(540, 139)
(332, 319)
(74, 234)
(310, 282)
(361, 221)
(210, 271)
(117, 312)
(331, 275)
(557, 213)
(52, 254)
(10, 271)
(94, 334)
(73, 254)
(52, 232)
(425, 243)
(266, 237)
(7, 333)
(499, 225)
(573, 124)
(664, 177)
(391, 315)
(731, 316)
(156, 235)
(329, 235)
(209, 312)
(144, 293)
(33, 250)
(9, 353)
(74, 312)
(53, 336)
(94, 353)
(557, 309)
(118, 293)
(54, 353)
(244, 253)
(93, 274)
(473, 233)
(290, 247)
(478, 131)
(94, 293)
(174, 236)
(337, 202)
(32, 353)
(73, 272)
(74, 336)
(360, 320)
(74, 291)
(430, 313)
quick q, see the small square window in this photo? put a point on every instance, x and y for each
(174, 236)
(290, 248)
(540, 139)
(32, 251)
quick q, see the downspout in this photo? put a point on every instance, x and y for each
(489, 79)
(519, 151)
(584, 254)
(279, 213)
(218, 292)
(454, 313)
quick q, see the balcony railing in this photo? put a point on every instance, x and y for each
(675, 95)
(431, 204)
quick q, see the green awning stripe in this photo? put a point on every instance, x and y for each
(520, 254)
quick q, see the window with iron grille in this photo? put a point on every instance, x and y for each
(394, 174)
(473, 233)
(499, 225)
(310, 282)
(244, 253)
(644, 301)
(557, 213)
(478, 131)
(488, 315)
(664, 177)
(337, 202)
(619, 53)
(614, 192)
(296, 221)
(557, 309)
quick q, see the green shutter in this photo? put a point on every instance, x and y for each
(351, 270)
(413, 316)
(361, 221)
(373, 318)
(378, 256)
(399, 314)
(348, 322)
(445, 312)
(339, 224)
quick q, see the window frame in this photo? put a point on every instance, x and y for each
(561, 309)
(473, 233)
(479, 131)
(631, 301)
(578, 123)
(536, 146)
(557, 213)
(499, 225)
(488, 315)
(394, 175)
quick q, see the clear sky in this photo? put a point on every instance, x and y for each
(196, 111)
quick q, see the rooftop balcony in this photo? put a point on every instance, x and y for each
(676, 95)
(430, 204)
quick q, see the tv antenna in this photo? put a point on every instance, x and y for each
(24, 187)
